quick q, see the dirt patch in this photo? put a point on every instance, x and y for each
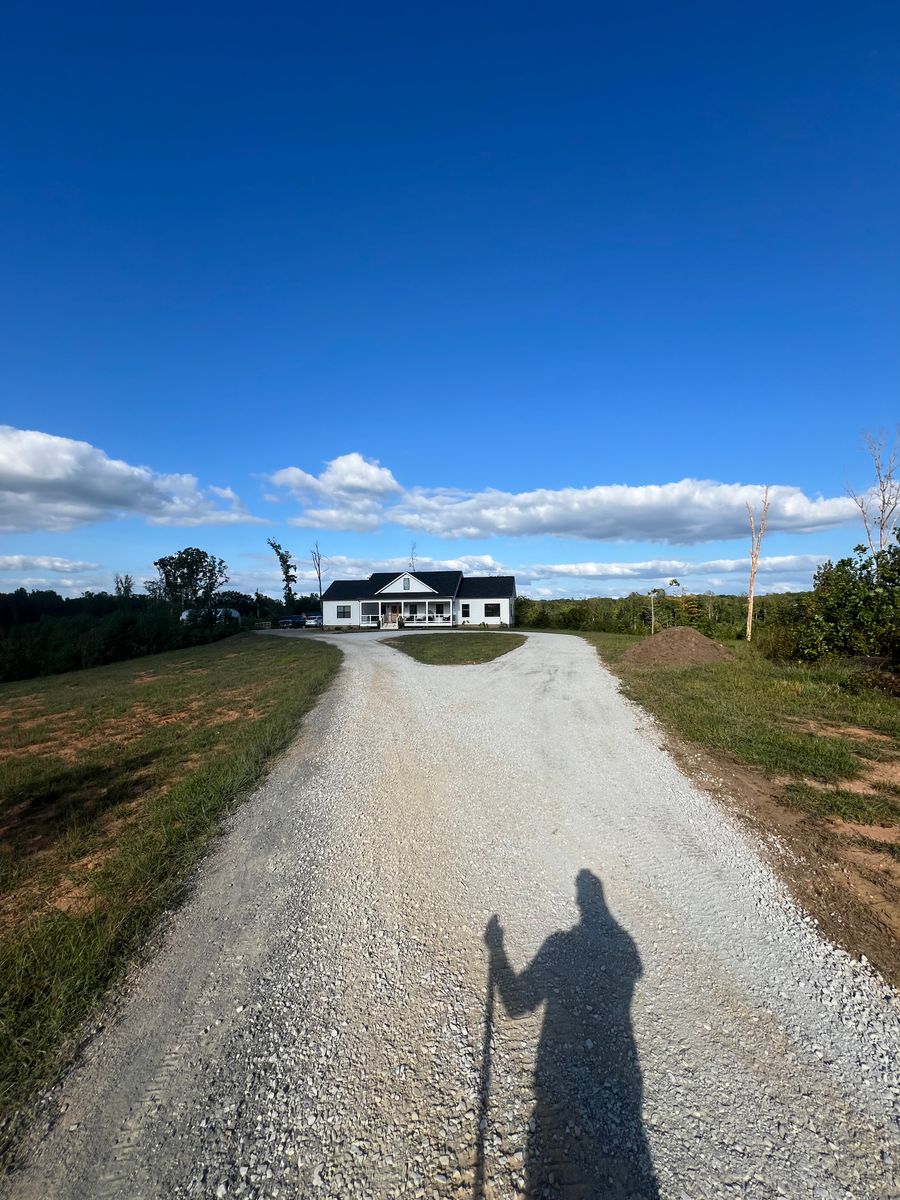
(11, 712)
(64, 740)
(47, 718)
(74, 893)
(877, 775)
(227, 715)
(853, 892)
(823, 729)
(75, 899)
(874, 833)
(679, 646)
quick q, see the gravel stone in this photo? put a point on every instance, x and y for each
(312, 1021)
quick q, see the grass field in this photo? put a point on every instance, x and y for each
(814, 724)
(462, 648)
(113, 781)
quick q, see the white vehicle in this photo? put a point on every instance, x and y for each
(221, 614)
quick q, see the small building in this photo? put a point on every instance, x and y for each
(421, 599)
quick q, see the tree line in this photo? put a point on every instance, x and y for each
(852, 611)
(44, 633)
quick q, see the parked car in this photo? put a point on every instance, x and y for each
(292, 622)
(313, 621)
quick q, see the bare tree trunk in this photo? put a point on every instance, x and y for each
(756, 537)
(879, 507)
(316, 555)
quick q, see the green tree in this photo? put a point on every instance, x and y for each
(239, 601)
(288, 572)
(125, 589)
(190, 579)
(856, 606)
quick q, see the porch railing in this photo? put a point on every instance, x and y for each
(372, 621)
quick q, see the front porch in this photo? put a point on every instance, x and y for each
(419, 614)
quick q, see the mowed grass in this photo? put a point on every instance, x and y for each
(462, 648)
(815, 726)
(114, 779)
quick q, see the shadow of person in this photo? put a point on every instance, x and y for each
(586, 1137)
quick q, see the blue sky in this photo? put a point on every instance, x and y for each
(509, 269)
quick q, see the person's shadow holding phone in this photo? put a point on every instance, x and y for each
(587, 1137)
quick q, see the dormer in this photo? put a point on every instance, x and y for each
(407, 582)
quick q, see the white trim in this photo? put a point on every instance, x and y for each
(422, 587)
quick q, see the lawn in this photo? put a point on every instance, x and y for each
(114, 780)
(462, 648)
(815, 724)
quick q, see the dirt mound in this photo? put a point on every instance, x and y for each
(680, 646)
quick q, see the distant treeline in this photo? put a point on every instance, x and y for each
(715, 615)
(43, 633)
(52, 644)
(853, 610)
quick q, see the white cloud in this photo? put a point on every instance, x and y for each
(668, 568)
(349, 494)
(62, 584)
(43, 562)
(338, 566)
(787, 572)
(682, 513)
(777, 573)
(361, 516)
(353, 493)
(56, 483)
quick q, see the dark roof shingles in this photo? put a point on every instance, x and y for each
(445, 583)
(487, 587)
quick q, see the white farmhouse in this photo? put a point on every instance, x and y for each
(421, 599)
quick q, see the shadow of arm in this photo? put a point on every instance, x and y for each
(520, 994)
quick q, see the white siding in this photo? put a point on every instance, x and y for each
(476, 612)
(329, 612)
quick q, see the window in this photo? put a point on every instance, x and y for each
(491, 610)
(343, 612)
(464, 610)
(406, 583)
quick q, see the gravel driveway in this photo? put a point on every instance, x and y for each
(312, 1023)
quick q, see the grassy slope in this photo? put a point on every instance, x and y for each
(114, 780)
(800, 723)
(462, 648)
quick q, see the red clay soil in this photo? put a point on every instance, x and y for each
(679, 646)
